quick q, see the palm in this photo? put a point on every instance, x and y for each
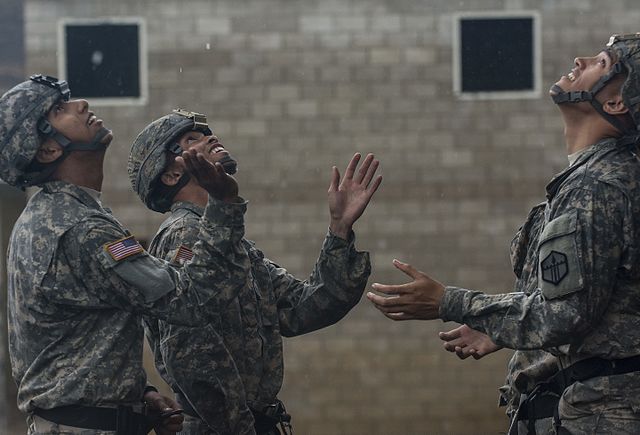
(211, 177)
(349, 197)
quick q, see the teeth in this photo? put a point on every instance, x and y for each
(571, 76)
(217, 149)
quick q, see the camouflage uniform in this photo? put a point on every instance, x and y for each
(271, 304)
(79, 283)
(75, 331)
(580, 299)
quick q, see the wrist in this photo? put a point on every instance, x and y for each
(149, 392)
(232, 199)
(340, 229)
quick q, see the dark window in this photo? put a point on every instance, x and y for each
(102, 60)
(496, 54)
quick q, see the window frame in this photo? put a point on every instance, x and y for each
(536, 52)
(142, 58)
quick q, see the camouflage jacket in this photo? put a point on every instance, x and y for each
(577, 264)
(78, 287)
(271, 304)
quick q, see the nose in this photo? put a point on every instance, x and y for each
(579, 62)
(80, 105)
(213, 139)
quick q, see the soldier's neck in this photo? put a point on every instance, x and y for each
(193, 194)
(580, 132)
(82, 169)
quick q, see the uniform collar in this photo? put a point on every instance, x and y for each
(187, 206)
(73, 190)
(599, 148)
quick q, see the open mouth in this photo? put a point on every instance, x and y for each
(218, 149)
(92, 118)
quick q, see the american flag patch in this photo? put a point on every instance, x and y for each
(123, 248)
(183, 255)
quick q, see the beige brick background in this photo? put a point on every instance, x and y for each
(294, 87)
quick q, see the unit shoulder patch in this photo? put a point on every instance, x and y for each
(555, 267)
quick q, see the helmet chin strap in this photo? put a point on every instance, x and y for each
(96, 144)
(560, 96)
(44, 127)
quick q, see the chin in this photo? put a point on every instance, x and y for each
(107, 139)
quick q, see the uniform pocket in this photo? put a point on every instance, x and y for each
(559, 271)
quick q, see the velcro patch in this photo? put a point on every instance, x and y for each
(123, 248)
(183, 255)
(555, 267)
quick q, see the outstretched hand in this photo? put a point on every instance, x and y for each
(416, 300)
(210, 176)
(466, 342)
(349, 197)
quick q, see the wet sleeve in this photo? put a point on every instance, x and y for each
(333, 288)
(142, 283)
(579, 253)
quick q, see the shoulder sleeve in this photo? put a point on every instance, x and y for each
(333, 288)
(114, 266)
(580, 253)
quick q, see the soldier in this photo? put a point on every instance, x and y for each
(579, 288)
(271, 303)
(79, 282)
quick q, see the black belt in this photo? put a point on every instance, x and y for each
(272, 419)
(542, 401)
(123, 419)
(186, 406)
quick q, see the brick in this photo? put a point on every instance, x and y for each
(283, 92)
(302, 109)
(213, 25)
(316, 23)
(385, 56)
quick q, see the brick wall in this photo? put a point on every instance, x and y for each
(296, 87)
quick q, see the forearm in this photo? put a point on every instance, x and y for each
(334, 287)
(220, 265)
(517, 320)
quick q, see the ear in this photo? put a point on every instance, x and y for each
(171, 176)
(615, 106)
(49, 151)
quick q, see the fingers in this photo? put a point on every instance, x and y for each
(395, 290)
(368, 169)
(407, 269)
(374, 186)
(364, 169)
(464, 353)
(451, 335)
(335, 180)
(351, 168)
(199, 166)
(384, 301)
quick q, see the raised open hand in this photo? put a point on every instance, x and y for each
(210, 176)
(349, 197)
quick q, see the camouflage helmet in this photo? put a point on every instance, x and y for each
(148, 156)
(22, 108)
(626, 49)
